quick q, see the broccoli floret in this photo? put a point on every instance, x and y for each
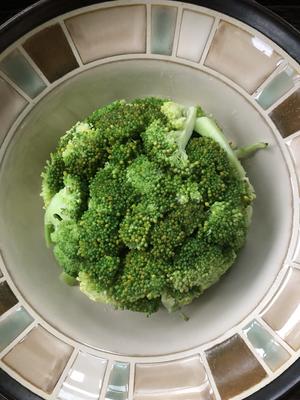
(226, 225)
(199, 265)
(166, 144)
(146, 204)
(66, 245)
(142, 278)
(52, 177)
(103, 271)
(98, 234)
(85, 153)
(170, 232)
(174, 300)
(89, 286)
(67, 204)
(137, 223)
(144, 175)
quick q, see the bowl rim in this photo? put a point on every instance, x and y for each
(247, 11)
(257, 16)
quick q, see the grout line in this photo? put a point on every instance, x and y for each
(18, 339)
(295, 264)
(259, 359)
(16, 87)
(209, 40)
(281, 99)
(275, 335)
(209, 375)
(64, 374)
(105, 381)
(71, 42)
(2, 279)
(10, 311)
(177, 30)
(291, 137)
(280, 67)
(33, 65)
(131, 381)
(148, 28)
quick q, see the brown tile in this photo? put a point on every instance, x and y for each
(109, 32)
(51, 52)
(234, 367)
(39, 358)
(11, 105)
(7, 298)
(286, 115)
(242, 57)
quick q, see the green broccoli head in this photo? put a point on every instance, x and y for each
(146, 204)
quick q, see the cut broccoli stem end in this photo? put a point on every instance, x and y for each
(206, 126)
(247, 151)
(68, 279)
(184, 316)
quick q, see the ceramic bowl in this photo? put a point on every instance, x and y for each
(59, 62)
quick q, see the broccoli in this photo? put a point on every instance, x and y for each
(146, 204)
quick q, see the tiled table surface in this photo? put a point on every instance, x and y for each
(290, 10)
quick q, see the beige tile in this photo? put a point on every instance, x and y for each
(179, 380)
(234, 367)
(39, 358)
(287, 115)
(205, 394)
(10, 107)
(194, 31)
(283, 315)
(108, 32)
(245, 59)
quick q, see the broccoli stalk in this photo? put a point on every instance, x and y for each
(183, 120)
(206, 126)
(247, 151)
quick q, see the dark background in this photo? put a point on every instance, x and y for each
(289, 10)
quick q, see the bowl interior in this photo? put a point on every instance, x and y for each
(33, 267)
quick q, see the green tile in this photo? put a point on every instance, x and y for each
(118, 382)
(281, 84)
(265, 345)
(163, 21)
(13, 325)
(18, 69)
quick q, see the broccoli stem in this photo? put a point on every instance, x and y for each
(206, 126)
(189, 127)
(68, 279)
(184, 316)
(247, 151)
(183, 136)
